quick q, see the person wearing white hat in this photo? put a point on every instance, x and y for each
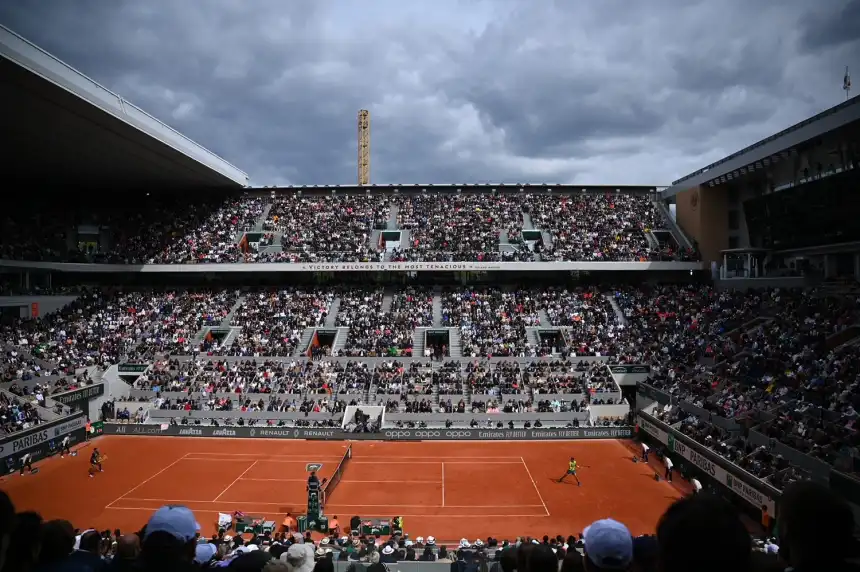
(388, 555)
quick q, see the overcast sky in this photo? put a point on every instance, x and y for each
(569, 91)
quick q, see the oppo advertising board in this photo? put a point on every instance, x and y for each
(386, 435)
(721, 470)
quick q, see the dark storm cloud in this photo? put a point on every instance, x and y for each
(831, 28)
(460, 91)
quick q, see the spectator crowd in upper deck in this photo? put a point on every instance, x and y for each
(291, 227)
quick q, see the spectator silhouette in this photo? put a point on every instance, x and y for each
(705, 534)
(815, 529)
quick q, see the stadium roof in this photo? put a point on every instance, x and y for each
(751, 157)
(66, 131)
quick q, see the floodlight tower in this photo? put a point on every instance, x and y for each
(363, 147)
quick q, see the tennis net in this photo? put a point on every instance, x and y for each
(332, 483)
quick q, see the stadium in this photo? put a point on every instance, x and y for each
(438, 354)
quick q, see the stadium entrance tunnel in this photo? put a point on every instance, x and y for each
(213, 339)
(552, 339)
(323, 339)
(437, 341)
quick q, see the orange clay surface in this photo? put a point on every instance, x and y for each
(450, 490)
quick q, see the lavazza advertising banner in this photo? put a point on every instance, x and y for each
(748, 487)
(386, 435)
(39, 437)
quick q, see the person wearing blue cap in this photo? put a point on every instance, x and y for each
(170, 540)
(608, 546)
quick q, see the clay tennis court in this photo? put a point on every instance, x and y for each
(447, 489)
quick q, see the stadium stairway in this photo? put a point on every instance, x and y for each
(258, 227)
(418, 336)
(456, 344)
(387, 300)
(671, 225)
(437, 309)
(231, 335)
(527, 222)
(619, 315)
(653, 243)
(392, 218)
(544, 319)
(547, 238)
(340, 339)
(305, 341)
(532, 336)
(331, 317)
(228, 319)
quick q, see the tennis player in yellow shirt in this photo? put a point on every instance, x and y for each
(571, 470)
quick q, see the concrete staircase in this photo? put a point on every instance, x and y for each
(653, 243)
(419, 336)
(307, 336)
(258, 226)
(532, 336)
(437, 309)
(619, 315)
(544, 318)
(340, 339)
(231, 335)
(671, 225)
(527, 222)
(374, 237)
(392, 218)
(199, 336)
(455, 346)
(547, 238)
(387, 300)
(228, 319)
(331, 317)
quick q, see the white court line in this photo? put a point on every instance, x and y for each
(227, 510)
(245, 472)
(535, 486)
(259, 457)
(371, 455)
(354, 462)
(473, 463)
(392, 505)
(350, 481)
(149, 479)
(443, 483)
(235, 460)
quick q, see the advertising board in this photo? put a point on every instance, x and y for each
(386, 435)
(752, 490)
(77, 398)
(17, 444)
